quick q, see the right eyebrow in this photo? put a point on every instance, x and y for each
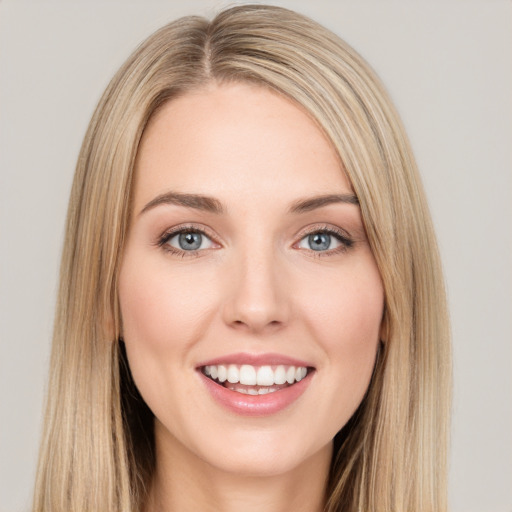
(196, 201)
(309, 204)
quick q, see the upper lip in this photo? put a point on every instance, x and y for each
(269, 359)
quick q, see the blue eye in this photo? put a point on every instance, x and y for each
(319, 241)
(189, 241)
(324, 240)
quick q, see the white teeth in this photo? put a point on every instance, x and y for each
(251, 391)
(265, 376)
(222, 373)
(280, 375)
(233, 374)
(249, 375)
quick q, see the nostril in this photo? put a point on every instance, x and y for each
(257, 325)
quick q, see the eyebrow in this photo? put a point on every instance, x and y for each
(196, 201)
(306, 205)
(212, 205)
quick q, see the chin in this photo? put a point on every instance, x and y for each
(266, 455)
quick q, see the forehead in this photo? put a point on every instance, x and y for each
(236, 140)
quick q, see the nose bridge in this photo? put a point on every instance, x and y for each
(256, 298)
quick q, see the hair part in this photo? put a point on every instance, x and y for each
(97, 450)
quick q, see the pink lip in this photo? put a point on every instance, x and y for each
(255, 405)
(255, 360)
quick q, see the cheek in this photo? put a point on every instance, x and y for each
(349, 310)
(160, 307)
(162, 317)
(346, 322)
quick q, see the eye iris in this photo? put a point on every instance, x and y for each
(190, 241)
(319, 241)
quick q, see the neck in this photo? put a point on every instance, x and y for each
(188, 484)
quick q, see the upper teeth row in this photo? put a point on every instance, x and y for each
(256, 375)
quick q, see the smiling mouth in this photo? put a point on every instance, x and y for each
(255, 380)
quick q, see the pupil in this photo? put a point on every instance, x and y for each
(319, 241)
(190, 241)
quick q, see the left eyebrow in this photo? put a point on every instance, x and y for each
(195, 201)
(306, 205)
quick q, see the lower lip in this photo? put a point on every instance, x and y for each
(256, 405)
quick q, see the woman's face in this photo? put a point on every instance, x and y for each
(250, 298)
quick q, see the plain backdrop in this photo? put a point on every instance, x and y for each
(447, 65)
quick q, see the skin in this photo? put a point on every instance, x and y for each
(256, 286)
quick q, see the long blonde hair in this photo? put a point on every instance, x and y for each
(97, 447)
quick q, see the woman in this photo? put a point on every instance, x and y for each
(251, 313)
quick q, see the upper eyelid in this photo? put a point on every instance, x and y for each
(318, 228)
(180, 228)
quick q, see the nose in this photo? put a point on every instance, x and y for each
(256, 299)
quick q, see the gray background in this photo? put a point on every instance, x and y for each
(447, 65)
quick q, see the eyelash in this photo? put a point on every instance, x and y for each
(167, 235)
(340, 235)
